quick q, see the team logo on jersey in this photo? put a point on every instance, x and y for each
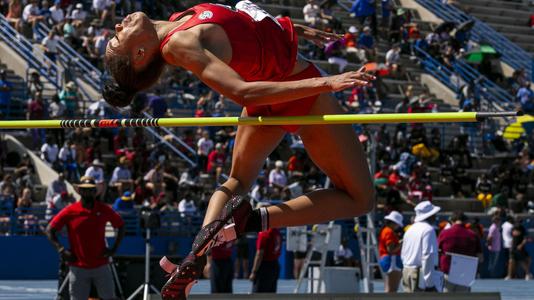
(207, 14)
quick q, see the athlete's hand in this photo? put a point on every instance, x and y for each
(350, 79)
(318, 37)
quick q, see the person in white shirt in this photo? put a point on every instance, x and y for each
(50, 44)
(56, 13)
(78, 14)
(97, 173)
(187, 207)
(67, 156)
(312, 14)
(507, 239)
(49, 152)
(419, 251)
(277, 176)
(204, 147)
(393, 58)
(31, 15)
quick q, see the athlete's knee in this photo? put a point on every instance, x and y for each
(364, 201)
(236, 185)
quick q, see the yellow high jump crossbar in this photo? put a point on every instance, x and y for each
(256, 121)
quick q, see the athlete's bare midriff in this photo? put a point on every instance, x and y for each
(214, 39)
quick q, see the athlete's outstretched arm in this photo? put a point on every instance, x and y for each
(187, 52)
(318, 37)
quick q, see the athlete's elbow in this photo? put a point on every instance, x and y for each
(243, 96)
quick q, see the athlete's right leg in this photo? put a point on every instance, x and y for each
(252, 146)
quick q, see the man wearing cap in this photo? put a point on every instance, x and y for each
(389, 247)
(97, 173)
(459, 240)
(88, 256)
(420, 251)
(122, 176)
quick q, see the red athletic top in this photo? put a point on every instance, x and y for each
(270, 242)
(86, 230)
(263, 48)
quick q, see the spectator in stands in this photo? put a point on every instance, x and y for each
(393, 59)
(458, 240)
(56, 187)
(365, 12)
(221, 268)
(49, 152)
(204, 146)
(79, 14)
(420, 251)
(343, 256)
(44, 11)
(312, 14)
(389, 248)
(8, 194)
(96, 172)
(121, 178)
(57, 15)
(334, 52)
(36, 111)
(519, 254)
(6, 87)
(216, 161)
(26, 218)
(124, 204)
(35, 85)
(70, 97)
(277, 176)
(187, 206)
(265, 269)
(58, 202)
(50, 46)
(67, 156)
(366, 42)
(507, 240)
(31, 16)
(105, 9)
(525, 97)
(156, 103)
(155, 177)
(56, 111)
(100, 41)
(494, 241)
(484, 189)
(120, 141)
(88, 256)
(14, 14)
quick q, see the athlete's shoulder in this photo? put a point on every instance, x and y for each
(178, 49)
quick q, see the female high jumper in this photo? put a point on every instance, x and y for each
(250, 57)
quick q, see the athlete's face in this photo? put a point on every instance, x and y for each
(132, 36)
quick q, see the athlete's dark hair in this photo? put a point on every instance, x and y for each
(126, 82)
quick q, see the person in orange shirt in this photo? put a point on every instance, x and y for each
(389, 247)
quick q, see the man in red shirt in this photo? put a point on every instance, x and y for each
(459, 240)
(88, 257)
(265, 270)
(216, 160)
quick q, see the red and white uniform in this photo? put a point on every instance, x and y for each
(264, 48)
